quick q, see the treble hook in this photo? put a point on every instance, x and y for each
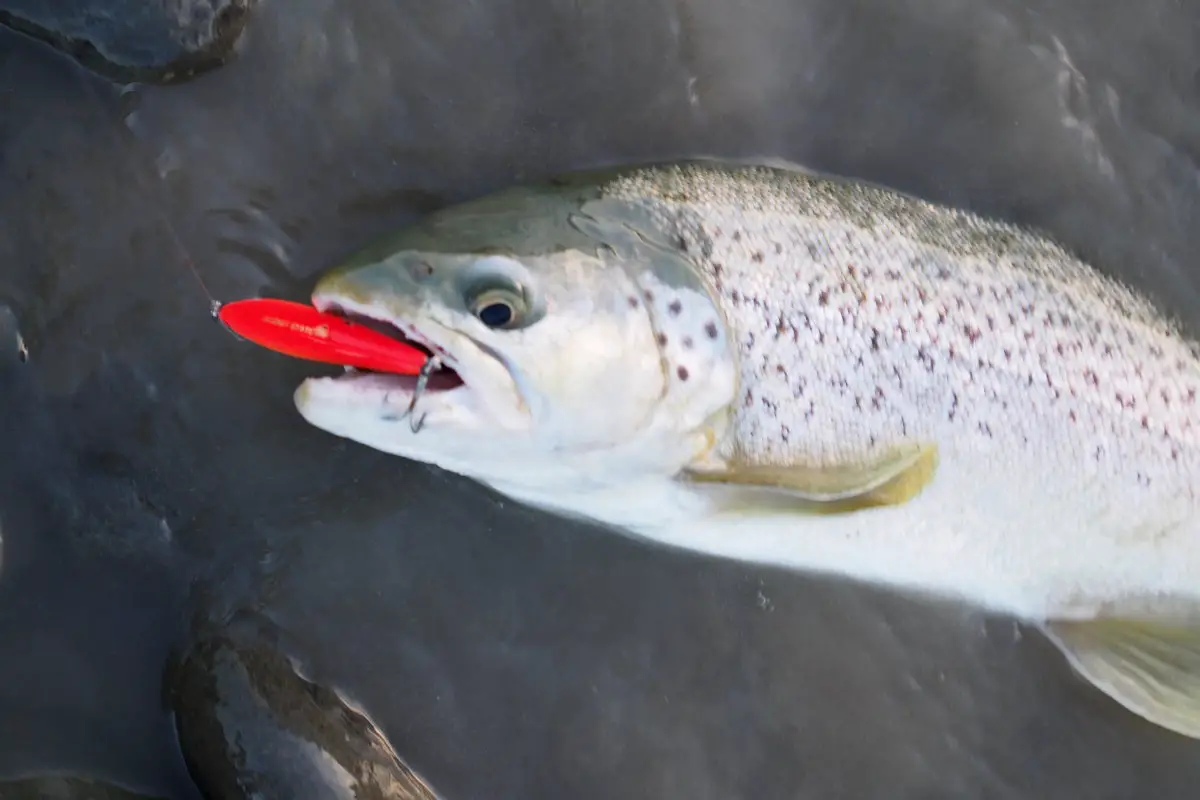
(431, 365)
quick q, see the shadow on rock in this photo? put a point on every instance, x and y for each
(251, 726)
(56, 788)
(128, 40)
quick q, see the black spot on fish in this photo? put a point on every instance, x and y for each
(687, 343)
(662, 340)
(649, 295)
(711, 330)
(675, 308)
(757, 257)
(682, 372)
(633, 302)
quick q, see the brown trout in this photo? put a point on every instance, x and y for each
(766, 364)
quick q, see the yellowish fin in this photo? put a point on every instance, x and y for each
(1151, 668)
(893, 478)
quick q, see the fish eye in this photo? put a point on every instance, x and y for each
(499, 308)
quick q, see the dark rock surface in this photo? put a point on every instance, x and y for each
(134, 40)
(154, 468)
(67, 788)
(12, 344)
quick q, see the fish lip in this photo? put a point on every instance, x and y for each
(450, 347)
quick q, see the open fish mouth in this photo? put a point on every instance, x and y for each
(462, 381)
(441, 373)
(441, 376)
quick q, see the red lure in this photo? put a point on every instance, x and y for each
(302, 331)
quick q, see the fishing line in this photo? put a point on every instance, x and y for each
(150, 194)
(295, 329)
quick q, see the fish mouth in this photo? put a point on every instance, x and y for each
(444, 375)
(461, 379)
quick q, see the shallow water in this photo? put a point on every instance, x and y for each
(154, 467)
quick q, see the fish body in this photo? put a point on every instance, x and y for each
(1063, 407)
(762, 363)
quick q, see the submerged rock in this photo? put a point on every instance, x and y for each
(131, 40)
(250, 726)
(61, 788)
(13, 348)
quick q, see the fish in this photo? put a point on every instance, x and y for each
(766, 363)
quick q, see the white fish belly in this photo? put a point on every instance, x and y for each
(1021, 536)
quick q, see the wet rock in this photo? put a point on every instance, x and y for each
(132, 40)
(60, 788)
(13, 348)
(250, 726)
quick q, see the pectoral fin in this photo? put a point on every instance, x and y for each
(1151, 668)
(893, 478)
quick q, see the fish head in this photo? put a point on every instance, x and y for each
(564, 365)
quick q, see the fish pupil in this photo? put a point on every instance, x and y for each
(495, 315)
